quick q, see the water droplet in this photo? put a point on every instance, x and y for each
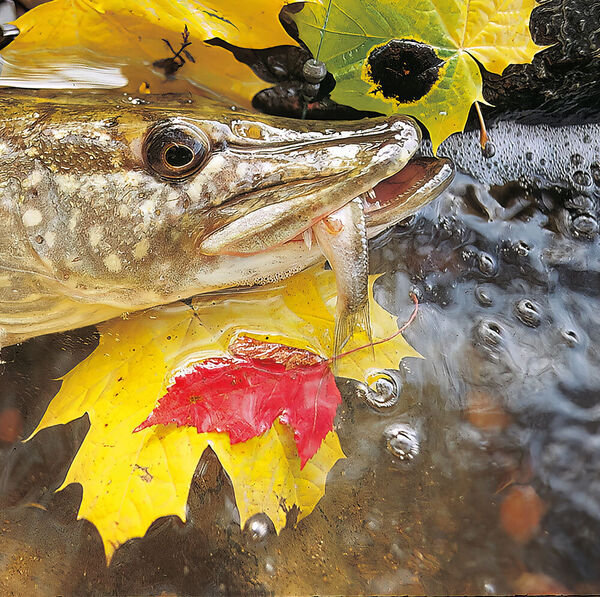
(582, 178)
(576, 159)
(489, 332)
(483, 297)
(489, 151)
(543, 162)
(259, 527)
(584, 225)
(486, 264)
(528, 312)
(529, 156)
(270, 566)
(402, 441)
(382, 390)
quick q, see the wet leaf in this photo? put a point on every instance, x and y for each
(104, 43)
(244, 395)
(130, 479)
(429, 71)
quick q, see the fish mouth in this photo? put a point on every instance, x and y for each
(401, 195)
(389, 201)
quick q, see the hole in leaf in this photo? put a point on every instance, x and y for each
(403, 69)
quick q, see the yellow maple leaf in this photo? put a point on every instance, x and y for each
(130, 479)
(345, 34)
(106, 42)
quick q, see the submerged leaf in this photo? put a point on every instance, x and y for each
(104, 43)
(130, 479)
(419, 57)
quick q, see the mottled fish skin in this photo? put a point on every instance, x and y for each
(91, 231)
(342, 238)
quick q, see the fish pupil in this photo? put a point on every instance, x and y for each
(178, 156)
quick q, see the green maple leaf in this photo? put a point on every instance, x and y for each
(347, 34)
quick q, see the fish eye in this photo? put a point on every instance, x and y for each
(175, 150)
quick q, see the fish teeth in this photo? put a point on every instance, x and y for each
(307, 235)
(371, 194)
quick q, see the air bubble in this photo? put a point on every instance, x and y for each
(529, 156)
(259, 527)
(528, 312)
(489, 333)
(595, 170)
(487, 264)
(582, 178)
(584, 225)
(382, 390)
(483, 298)
(576, 159)
(489, 151)
(314, 71)
(402, 441)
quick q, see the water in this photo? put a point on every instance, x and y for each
(474, 470)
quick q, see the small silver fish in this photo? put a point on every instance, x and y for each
(342, 238)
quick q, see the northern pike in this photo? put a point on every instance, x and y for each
(111, 203)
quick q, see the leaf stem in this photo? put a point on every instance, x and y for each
(412, 317)
(483, 136)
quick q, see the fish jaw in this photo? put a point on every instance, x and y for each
(323, 172)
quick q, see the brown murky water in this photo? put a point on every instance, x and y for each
(500, 494)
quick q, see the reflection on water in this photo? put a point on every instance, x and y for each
(475, 470)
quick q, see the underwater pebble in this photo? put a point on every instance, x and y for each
(484, 412)
(521, 512)
(11, 425)
(530, 583)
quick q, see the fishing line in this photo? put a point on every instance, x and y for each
(323, 29)
(316, 58)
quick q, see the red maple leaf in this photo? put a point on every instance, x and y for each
(244, 393)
